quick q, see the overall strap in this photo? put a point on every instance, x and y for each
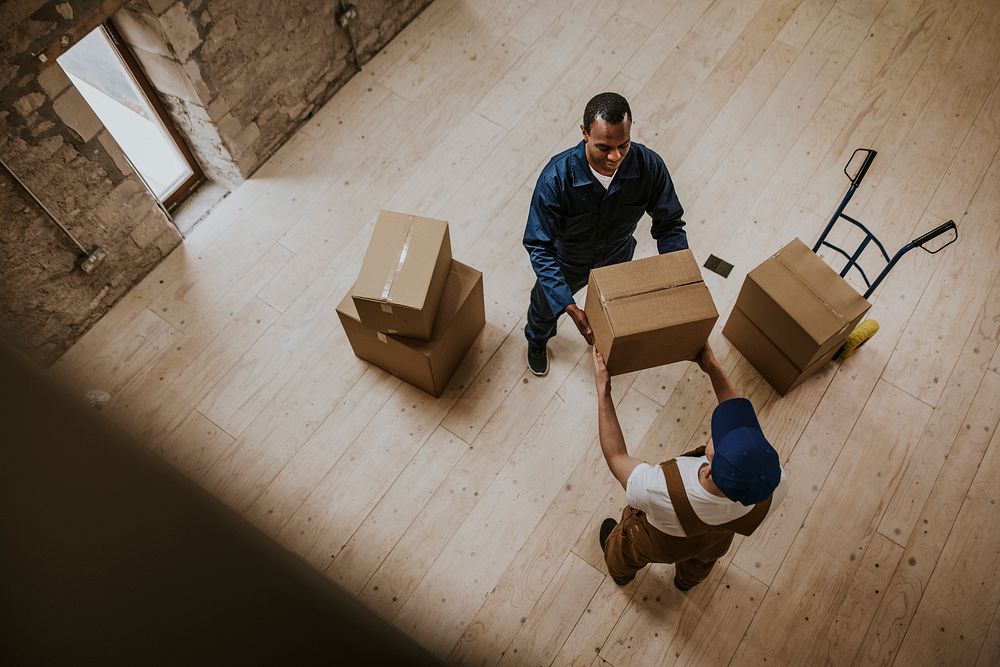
(746, 524)
(692, 525)
(689, 521)
(697, 451)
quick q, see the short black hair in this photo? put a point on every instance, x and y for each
(611, 107)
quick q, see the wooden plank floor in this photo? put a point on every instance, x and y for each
(470, 521)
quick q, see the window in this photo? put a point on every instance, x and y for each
(110, 80)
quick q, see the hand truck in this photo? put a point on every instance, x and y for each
(864, 331)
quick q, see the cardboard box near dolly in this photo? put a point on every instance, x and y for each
(792, 315)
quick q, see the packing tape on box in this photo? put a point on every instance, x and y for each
(399, 265)
(381, 337)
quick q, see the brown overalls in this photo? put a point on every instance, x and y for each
(634, 543)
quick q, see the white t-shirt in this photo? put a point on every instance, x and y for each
(647, 491)
(604, 180)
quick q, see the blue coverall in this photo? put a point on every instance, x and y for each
(574, 225)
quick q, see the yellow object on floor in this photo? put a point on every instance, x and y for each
(858, 337)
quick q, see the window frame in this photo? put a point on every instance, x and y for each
(197, 178)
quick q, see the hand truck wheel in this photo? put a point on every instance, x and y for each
(861, 335)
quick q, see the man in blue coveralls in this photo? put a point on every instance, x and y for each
(584, 211)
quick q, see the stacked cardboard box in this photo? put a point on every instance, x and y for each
(649, 312)
(414, 311)
(792, 315)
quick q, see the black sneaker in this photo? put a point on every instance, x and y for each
(606, 528)
(682, 587)
(538, 360)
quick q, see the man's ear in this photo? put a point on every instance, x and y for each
(586, 137)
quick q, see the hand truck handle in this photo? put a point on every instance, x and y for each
(933, 234)
(870, 154)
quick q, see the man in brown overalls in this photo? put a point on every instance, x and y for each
(686, 510)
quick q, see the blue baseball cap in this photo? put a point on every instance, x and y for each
(745, 466)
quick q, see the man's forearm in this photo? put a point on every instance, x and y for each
(724, 389)
(612, 439)
(609, 429)
(670, 236)
(550, 276)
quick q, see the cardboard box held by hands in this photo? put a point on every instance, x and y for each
(649, 312)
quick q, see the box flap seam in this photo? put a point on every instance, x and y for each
(629, 295)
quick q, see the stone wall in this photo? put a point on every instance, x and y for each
(274, 65)
(237, 77)
(53, 142)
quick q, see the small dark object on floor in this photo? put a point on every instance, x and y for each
(720, 266)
